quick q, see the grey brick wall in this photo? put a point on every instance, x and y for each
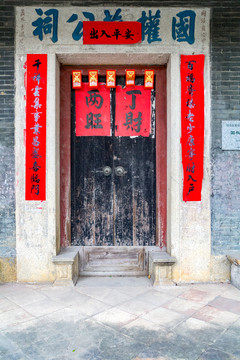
(7, 200)
(225, 59)
(225, 201)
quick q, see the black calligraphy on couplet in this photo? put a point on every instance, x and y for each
(36, 127)
(192, 125)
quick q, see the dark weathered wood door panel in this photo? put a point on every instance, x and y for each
(135, 191)
(113, 210)
(93, 192)
(123, 192)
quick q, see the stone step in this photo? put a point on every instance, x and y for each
(160, 267)
(66, 264)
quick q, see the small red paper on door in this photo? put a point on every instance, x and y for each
(76, 79)
(130, 77)
(93, 79)
(111, 78)
(93, 111)
(133, 111)
(149, 79)
(111, 32)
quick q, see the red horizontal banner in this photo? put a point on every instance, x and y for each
(111, 32)
(192, 106)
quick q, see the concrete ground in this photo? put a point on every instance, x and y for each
(119, 319)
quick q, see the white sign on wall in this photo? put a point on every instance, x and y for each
(231, 135)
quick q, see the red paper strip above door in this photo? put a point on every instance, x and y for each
(111, 32)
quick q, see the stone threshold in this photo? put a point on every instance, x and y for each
(160, 267)
(67, 267)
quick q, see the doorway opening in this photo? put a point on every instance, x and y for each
(116, 198)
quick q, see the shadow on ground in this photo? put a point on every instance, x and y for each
(89, 340)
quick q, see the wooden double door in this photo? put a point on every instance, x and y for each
(113, 178)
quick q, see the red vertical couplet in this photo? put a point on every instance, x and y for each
(36, 127)
(93, 111)
(192, 108)
(133, 111)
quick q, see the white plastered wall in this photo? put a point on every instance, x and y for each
(38, 223)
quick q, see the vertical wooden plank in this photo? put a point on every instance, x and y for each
(82, 192)
(65, 156)
(104, 188)
(92, 198)
(123, 192)
(144, 184)
(82, 186)
(144, 191)
(135, 191)
(103, 191)
(161, 157)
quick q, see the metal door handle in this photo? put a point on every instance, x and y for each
(107, 171)
(120, 171)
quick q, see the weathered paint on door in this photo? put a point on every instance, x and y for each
(116, 208)
(65, 154)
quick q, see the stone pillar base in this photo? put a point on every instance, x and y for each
(160, 268)
(234, 258)
(67, 269)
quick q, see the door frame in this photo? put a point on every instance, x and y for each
(161, 147)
